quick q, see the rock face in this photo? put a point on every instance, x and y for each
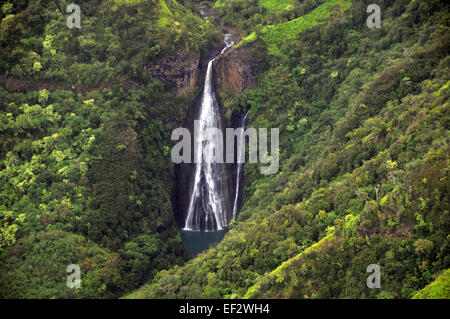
(184, 172)
(180, 68)
(236, 69)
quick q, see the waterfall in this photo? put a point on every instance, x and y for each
(240, 166)
(207, 210)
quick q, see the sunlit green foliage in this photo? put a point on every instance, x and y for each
(86, 178)
(364, 164)
(84, 173)
(275, 34)
(438, 289)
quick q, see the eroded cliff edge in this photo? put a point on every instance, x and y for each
(236, 69)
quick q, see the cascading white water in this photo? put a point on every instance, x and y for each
(206, 210)
(240, 165)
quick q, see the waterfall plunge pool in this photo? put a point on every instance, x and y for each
(198, 241)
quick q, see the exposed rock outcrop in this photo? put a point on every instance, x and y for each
(179, 68)
(236, 69)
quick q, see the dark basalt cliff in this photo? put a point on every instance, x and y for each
(184, 172)
(180, 68)
(236, 69)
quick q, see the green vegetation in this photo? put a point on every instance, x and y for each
(275, 4)
(275, 34)
(85, 176)
(438, 289)
(253, 15)
(271, 5)
(364, 161)
(85, 170)
(252, 37)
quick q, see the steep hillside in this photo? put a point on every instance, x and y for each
(364, 123)
(86, 175)
(438, 289)
(85, 122)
